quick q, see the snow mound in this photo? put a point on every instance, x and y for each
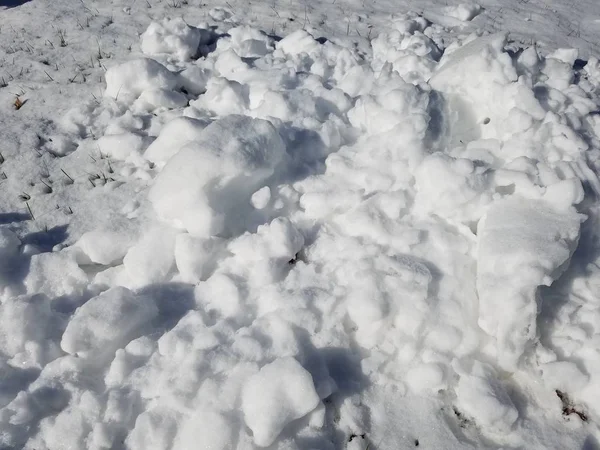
(292, 240)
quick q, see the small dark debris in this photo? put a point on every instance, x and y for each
(568, 408)
(354, 436)
(294, 260)
(291, 19)
(486, 120)
(463, 421)
(416, 442)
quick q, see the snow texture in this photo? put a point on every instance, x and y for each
(299, 225)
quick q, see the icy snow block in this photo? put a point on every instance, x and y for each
(173, 37)
(215, 176)
(172, 137)
(107, 322)
(523, 244)
(483, 52)
(481, 90)
(278, 394)
(130, 79)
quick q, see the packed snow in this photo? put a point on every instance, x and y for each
(276, 229)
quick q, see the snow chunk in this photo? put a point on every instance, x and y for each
(249, 42)
(280, 393)
(298, 42)
(195, 257)
(426, 378)
(390, 105)
(107, 322)
(215, 175)
(103, 247)
(223, 97)
(267, 252)
(261, 198)
(522, 244)
(451, 188)
(485, 97)
(150, 260)
(464, 12)
(121, 146)
(130, 79)
(152, 99)
(480, 395)
(55, 274)
(173, 37)
(174, 135)
(26, 324)
(566, 55)
(219, 294)
(194, 79)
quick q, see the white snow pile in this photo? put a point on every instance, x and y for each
(331, 250)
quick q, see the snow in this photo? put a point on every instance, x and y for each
(278, 394)
(522, 245)
(284, 225)
(102, 247)
(132, 78)
(206, 180)
(104, 322)
(172, 37)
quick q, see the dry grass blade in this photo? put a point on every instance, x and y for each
(18, 103)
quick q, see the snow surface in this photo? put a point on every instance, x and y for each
(299, 225)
